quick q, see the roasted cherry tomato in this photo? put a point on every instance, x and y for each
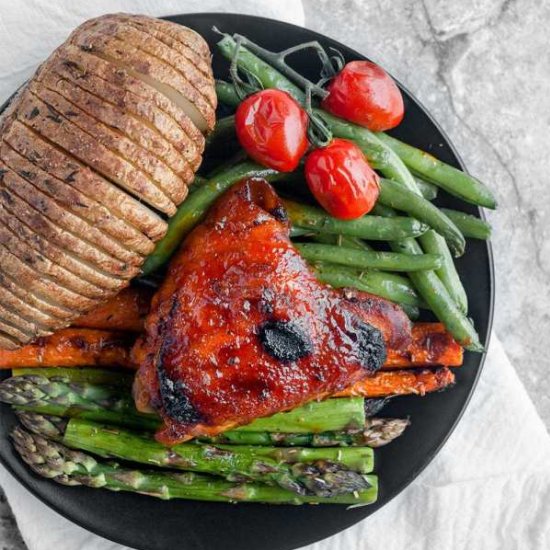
(364, 93)
(342, 180)
(272, 128)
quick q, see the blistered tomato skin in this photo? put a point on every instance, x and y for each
(362, 92)
(341, 179)
(272, 128)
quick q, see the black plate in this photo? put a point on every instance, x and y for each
(150, 524)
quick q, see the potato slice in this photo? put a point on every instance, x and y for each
(30, 279)
(116, 85)
(57, 313)
(39, 262)
(200, 61)
(7, 342)
(13, 330)
(120, 258)
(29, 328)
(71, 199)
(27, 311)
(101, 40)
(55, 233)
(46, 121)
(183, 34)
(163, 177)
(95, 152)
(64, 257)
(129, 221)
(140, 132)
(145, 42)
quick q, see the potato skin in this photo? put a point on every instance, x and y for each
(96, 152)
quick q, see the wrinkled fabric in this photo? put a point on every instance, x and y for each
(488, 488)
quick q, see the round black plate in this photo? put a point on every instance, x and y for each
(150, 524)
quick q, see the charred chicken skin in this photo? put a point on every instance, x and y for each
(241, 328)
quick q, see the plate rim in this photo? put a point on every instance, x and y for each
(490, 319)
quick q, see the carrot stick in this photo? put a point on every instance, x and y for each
(73, 347)
(125, 311)
(431, 345)
(84, 347)
(401, 382)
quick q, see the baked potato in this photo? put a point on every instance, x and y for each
(96, 153)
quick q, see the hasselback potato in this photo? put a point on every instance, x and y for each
(97, 152)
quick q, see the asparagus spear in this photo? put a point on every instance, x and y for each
(77, 375)
(54, 461)
(320, 472)
(376, 433)
(58, 395)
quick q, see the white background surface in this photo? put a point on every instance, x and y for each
(489, 487)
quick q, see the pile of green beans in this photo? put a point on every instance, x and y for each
(411, 180)
(422, 237)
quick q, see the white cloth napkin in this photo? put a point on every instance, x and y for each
(488, 489)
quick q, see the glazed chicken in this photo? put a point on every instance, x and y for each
(241, 328)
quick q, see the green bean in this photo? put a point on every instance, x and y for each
(225, 127)
(433, 243)
(472, 227)
(300, 232)
(412, 312)
(432, 289)
(197, 182)
(384, 152)
(443, 175)
(373, 228)
(363, 259)
(396, 196)
(341, 240)
(429, 190)
(386, 285)
(191, 211)
(381, 210)
(227, 94)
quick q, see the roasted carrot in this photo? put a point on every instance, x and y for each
(73, 347)
(401, 382)
(125, 311)
(431, 345)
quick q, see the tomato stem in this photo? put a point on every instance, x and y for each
(242, 87)
(278, 60)
(318, 133)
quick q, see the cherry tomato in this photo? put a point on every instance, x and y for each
(364, 93)
(342, 180)
(272, 128)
